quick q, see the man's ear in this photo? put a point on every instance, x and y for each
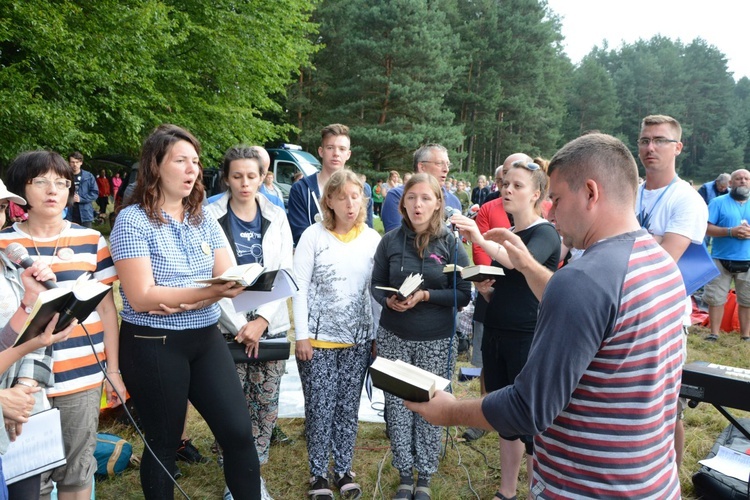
(593, 192)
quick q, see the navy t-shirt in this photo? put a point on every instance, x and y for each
(247, 238)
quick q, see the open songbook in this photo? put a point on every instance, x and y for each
(76, 303)
(410, 285)
(404, 380)
(245, 275)
(477, 272)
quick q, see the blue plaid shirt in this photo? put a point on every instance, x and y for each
(178, 258)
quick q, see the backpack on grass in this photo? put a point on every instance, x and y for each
(112, 454)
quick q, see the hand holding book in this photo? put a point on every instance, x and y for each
(393, 302)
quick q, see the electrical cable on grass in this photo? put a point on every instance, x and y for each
(127, 412)
(460, 462)
(380, 475)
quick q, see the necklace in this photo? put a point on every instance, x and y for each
(57, 242)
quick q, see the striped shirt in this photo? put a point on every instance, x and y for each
(180, 253)
(601, 384)
(76, 251)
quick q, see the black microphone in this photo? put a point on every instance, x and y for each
(19, 256)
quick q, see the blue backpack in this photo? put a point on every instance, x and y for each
(112, 454)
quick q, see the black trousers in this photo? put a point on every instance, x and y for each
(162, 369)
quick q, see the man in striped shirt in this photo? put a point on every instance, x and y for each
(599, 390)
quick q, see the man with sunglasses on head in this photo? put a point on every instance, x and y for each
(430, 159)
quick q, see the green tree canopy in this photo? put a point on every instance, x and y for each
(99, 75)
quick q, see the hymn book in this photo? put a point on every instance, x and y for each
(245, 275)
(410, 285)
(76, 303)
(476, 273)
(405, 381)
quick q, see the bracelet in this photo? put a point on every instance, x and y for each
(21, 382)
(114, 371)
(729, 232)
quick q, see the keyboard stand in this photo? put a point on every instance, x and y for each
(745, 432)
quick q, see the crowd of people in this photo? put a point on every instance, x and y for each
(552, 353)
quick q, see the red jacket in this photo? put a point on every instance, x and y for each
(103, 184)
(491, 215)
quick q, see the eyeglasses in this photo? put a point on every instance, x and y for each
(3, 206)
(44, 183)
(528, 166)
(658, 141)
(441, 164)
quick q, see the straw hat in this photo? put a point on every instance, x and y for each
(7, 195)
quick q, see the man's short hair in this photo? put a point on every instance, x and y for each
(659, 119)
(723, 178)
(76, 155)
(600, 157)
(424, 151)
(334, 129)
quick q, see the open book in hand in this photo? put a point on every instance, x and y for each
(405, 381)
(76, 303)
(245, 275)
(476, 273)
(410, 285)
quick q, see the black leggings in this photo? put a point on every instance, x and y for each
(162, 369)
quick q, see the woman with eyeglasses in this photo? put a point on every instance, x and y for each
(512, 311)
(45, 180)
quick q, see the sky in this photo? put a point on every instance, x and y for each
(721, 23)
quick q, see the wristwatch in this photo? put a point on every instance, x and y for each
(26, 308)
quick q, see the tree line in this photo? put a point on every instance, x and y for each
(483, 77)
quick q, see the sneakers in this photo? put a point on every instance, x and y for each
(278, 436)
(472, 434)
(712, 337)
(744, 339)
(189, 453)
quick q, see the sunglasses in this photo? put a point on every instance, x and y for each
(528, 166)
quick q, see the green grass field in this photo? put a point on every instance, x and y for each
(466, 471)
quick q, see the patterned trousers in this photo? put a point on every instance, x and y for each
(415, 443)
(261, 383)
(332, 384)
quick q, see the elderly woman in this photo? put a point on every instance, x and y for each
(419, 329)
(171, 348)
(45, 180)
(19, 389)
(258, 232)
(334, 329)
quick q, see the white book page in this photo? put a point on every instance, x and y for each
(37, 449)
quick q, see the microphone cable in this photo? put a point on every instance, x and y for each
(130, 416)
(448, 373)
